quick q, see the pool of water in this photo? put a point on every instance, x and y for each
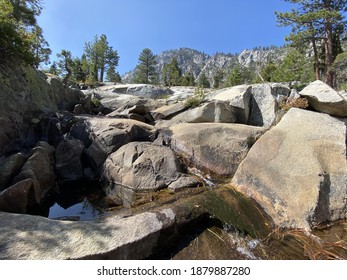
(83, 211)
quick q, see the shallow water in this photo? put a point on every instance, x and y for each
(83, 211)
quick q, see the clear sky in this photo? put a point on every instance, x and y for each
(210, 26)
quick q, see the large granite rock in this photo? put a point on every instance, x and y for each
(215, 148)
(168, 111)
(149, 91)
(34, 179)
(10, 167)
(263, 106)
(143, 166)
(297, 171)
(239, 97)
(68, 164)
(26, 93)
(212, 112)
(102, 136)
(26, 237)
(325, 99)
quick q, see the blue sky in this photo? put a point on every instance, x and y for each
(131, 25)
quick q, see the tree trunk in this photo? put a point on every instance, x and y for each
(329, 56)
(316, 58)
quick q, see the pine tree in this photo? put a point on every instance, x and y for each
(267, 71)
(188, 79)
(203, 81)
(218, 79)
(54, 69)
(65, 64)
(314, 21)
(40, 47)
(112, 75)
(20, 37)
(100, 57)
(294, 67)
(234, 78)
(172, 74)
(145, 72)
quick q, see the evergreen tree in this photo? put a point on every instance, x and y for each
(54, 69)
(100, 57)
(218, 79)
(145, 72)
(20, 37)
(172, 74)
(65, 64)
(188, 79)
(203, 81)
(78, 73)
(340, 68)
(294, 67)
(112, 75)
(40, 47)
(313, 21)
(267, 71)
(234, 78)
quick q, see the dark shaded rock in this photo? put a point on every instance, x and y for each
(68, 163)
(16, 198)
(10, 167)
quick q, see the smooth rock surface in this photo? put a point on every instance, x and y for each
(143, 166)
(325, 99)
(239, 97)
(297, 171)
(214, 147)
(25, 237)
(212, 112)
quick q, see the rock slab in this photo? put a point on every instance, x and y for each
(325, 99)
(297, 171)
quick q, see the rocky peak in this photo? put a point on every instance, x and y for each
(190, 60)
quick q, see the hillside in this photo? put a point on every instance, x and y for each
(197, 62)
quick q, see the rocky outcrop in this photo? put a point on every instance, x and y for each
(144, 167)
(102, 136)
(34, 179)
(213, 112)
(24, 94)
(215, 148)
(265, 101)
(168, 111)
(239, 98)
(137, 112)
(297, 171)
(324, 99)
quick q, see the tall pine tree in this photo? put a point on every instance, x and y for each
(314, 22)
(145, 72)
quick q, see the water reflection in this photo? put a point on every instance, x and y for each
(83, 211)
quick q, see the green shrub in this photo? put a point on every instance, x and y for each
(196, 99)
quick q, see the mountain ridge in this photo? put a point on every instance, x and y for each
(197, 62)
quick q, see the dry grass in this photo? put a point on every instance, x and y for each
(314, 247)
